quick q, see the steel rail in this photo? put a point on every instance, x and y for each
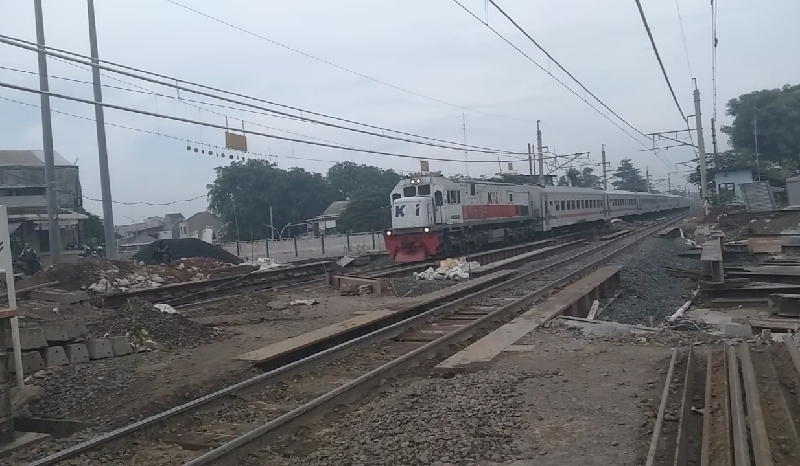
(424, 351)
(662, 409)
(152, 420)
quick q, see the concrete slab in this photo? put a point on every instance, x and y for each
(76, 330)
(99, 349)
(54, 356)
(281, 348)
(738, 330)
(55, 332)
(120, 346)
(23, 440)
(31, 362)
(29, 338)
(59, 296)
(76, 353)
(487, 348)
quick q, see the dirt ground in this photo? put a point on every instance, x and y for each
(114, 391)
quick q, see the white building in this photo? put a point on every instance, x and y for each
(727, 181)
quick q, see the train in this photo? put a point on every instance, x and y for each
(434, 216)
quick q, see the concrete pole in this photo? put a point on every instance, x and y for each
(271, 224)
(701, 145)
(102, 147)
(539, 150)
(647, 178)
(6, 415)
(530, 161)
(605, 170)
(47, 138)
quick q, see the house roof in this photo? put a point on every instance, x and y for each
(32, 158)
(137, 240)
(334, 209)
(203, 219)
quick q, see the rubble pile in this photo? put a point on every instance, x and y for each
(148, 327)
(449, 269)
(187, 248)
(77, 276)
(143, 276)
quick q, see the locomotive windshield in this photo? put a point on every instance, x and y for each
(409, 191)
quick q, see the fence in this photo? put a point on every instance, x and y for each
(309, 247)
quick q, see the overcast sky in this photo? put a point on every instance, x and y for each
(428, 47)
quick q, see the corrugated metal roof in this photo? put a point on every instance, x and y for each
(32, 158)
(335, 208)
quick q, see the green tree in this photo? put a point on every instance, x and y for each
(347, 178)
(93, 233)
(368, 210)
(777, 112)
(580, 178)
(628, 178)
(250, 188)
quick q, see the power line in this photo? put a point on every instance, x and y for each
(658, 57)
(559, 81)
(155, 204)
(342, 68)
(52, 51)
(683, 35)
(212, 125)
(714, 43)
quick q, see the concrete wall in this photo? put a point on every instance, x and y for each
(736, 178)
(309, 247)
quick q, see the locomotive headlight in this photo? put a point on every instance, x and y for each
(426, 230)
(418, 181)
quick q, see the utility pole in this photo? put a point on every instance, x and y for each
(102, 146)
(466, 152)
(541, 154)
(755, 136)
(647, 178)
(714, 139)
(271, 223)
(47, 140)
(530, 160)
(669, 182)
(605, 170)
(701, 145)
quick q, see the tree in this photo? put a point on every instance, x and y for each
(629, 178)
(93, 232)
(244, 192)
(777, 112)
(347, 178)
(580, 178)
(368, 210)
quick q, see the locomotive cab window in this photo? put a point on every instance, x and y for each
(454, 197)
(472, 189)
(510, 197)
(437, 197)
(424, 190)
(409, 191)
(396, 196)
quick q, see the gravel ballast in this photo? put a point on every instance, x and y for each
(647, 289)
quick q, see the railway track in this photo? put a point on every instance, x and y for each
(736, 405)
(227, 426)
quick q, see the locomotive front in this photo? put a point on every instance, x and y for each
(414, 235)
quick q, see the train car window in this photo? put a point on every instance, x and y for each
(511, 198)
(396, 197)
(557, 205)
(454, 197)
(424, 190)
(562, 205)
(472, 189)
(409, 191)
(437, 197)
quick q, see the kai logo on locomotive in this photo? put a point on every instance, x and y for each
(400, 211)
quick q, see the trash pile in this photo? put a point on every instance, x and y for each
(266, 263)
(186, 248)
(148, 327)
(141, 276)
(449, 269)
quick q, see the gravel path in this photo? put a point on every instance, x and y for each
(466, 419)
(648, 290)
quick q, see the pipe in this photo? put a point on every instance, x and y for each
(17, 351)
(681, 310)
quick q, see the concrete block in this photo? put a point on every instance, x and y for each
(54, 356)
(58, 296)
(738, 330)
(99, 349)
(31, 362)
(120, 346)
(76, 353)
(29, 338)
(55, 332)
(76, 329)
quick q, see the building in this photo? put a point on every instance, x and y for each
(22, 191)
(727, 185)
(325, 223)
(196, 225)
(149, 226)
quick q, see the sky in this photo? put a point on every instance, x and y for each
(434, 68)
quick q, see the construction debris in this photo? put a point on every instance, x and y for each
(449, 269)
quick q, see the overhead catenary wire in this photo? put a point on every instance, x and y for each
(181, 85)
(658, 57)
(154, 204)
(223, 127)
(342, 68)
(496, 32)
(683, 36)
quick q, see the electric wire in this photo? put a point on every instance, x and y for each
(342, 68)
(561, 82)
(155, 204)
(213, 125)
(658, 57)
(683, 35)
(107, 65)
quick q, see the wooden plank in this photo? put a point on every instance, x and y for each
(662, 408)
(775, 324)
(488, 347)
(705, 446)
(755, 416)
(682, 445)
(712, 251)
